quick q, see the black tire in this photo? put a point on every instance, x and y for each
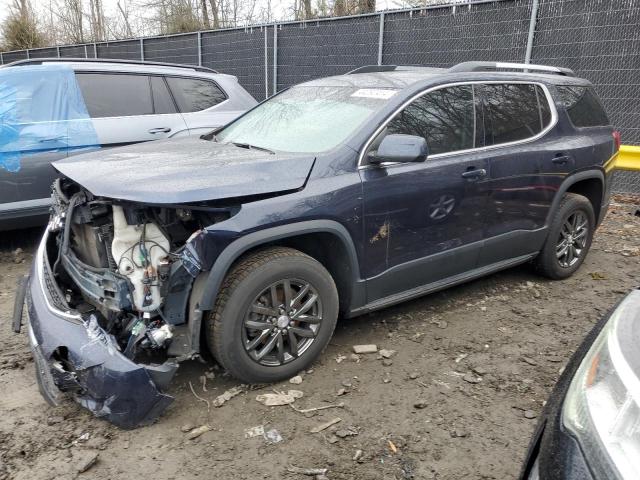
(225, 326)
(547, 262)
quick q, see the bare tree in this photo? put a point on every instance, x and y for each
(366, 6)
(340, 8)
(215, 12)
(80, 21)
(97, 20)
(21, 30)
(307, 11)
(69, 20)
(205, 14)
(177, 16)
(125, 19)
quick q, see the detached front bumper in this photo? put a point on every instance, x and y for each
(74, 354)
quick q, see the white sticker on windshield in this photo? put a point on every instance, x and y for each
(380, 93)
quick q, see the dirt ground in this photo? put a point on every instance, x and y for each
(472, 365)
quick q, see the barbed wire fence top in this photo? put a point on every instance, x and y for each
(598, 39)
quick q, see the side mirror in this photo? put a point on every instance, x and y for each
(400, 148)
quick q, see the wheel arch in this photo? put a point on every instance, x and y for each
(342, 262)
(588, 183)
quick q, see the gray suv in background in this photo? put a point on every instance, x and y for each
(54, 108)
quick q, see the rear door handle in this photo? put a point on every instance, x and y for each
(52, 139)
(561, 159)
(155, 131)
(474, 174)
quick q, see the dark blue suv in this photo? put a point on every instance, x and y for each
(333, 198)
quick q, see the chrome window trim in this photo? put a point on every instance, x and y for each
(552, 123)
(43, 289)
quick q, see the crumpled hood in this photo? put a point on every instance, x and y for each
(185, 171)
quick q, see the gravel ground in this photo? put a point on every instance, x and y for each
(468, 372)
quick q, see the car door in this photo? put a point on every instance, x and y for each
(527, 163)
(25, 181)
(199, 101)
(34, 125)
(130, 107)
(424, 221)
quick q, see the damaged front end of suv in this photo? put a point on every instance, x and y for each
(123, 273)
(110, 316)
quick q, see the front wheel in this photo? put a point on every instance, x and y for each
(275, 313)
(570, 235)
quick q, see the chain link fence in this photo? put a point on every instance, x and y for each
(598, 39)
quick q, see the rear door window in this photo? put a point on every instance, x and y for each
(195, 95)
(162, 101)
(583, 106)
(514, 111)
(116, 95)
(445, 118)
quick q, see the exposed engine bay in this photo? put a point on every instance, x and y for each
(131, 266)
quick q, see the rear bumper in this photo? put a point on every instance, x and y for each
(74, 354)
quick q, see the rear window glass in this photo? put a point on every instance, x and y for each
(193, 95)
(514, 112)
(583, 107)
(114, 95)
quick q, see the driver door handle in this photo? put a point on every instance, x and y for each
(155, 131)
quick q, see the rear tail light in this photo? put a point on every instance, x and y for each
(616, 140)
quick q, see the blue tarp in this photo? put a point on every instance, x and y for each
(41, 109)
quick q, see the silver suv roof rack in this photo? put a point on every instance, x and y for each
(373, 69)
(39, 61)
(492, 66)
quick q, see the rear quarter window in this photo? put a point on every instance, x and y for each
(583, 106)
(195, 95)
(514, 111)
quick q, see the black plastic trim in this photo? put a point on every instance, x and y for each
(18, 305)
(567, 183)
(441, 284)
(233, 251)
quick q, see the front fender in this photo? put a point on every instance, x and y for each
(245, 243)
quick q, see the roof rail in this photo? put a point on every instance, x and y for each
(491, 66)
(39, 61)
(373, 69)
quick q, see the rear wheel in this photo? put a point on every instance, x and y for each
(569, 238)
(275, 313)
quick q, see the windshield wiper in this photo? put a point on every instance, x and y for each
(248, 146)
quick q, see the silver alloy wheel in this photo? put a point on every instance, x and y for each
(442, 207)
(572, 240)
(282, 322)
